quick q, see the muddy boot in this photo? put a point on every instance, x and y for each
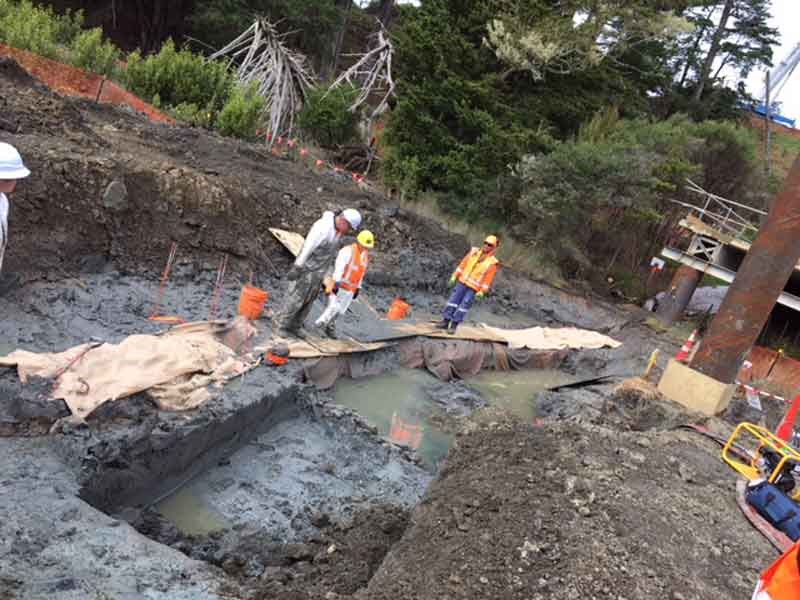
(330, 330)
(451, 328)
(443, 324)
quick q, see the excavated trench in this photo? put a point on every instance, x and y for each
(267, 477)
(264, 481)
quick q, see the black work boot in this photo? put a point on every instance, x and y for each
(443, 324)
(451, 329)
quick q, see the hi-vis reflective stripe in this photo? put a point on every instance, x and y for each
(760, 594)
(355, 270)
(476, 273)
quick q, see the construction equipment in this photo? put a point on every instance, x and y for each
(768, 457)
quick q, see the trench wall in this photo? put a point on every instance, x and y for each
(141, 468)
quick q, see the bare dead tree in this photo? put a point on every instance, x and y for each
(283, 75)
(372, 74)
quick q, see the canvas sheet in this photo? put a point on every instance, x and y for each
(546, 338)
(176, 367)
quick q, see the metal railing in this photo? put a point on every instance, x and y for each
(726, 216)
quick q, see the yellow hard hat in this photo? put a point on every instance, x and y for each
(366, 239)
(491, 239)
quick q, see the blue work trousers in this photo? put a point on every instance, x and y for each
(459, 303)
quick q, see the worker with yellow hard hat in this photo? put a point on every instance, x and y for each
(473, 279)
(345, 283)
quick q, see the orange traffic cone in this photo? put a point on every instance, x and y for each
(686, 350)
(786, 428)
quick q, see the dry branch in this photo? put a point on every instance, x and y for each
(372, 74)
(283, 75)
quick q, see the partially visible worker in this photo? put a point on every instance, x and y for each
(345, 284)
(11, 170)
(473, 279)
(312, 263)
(782, 580)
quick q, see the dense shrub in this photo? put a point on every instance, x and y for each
(607, 194)
(241, 114)
(327, 118)
(27, 26)
(174, 77)
(91, 52)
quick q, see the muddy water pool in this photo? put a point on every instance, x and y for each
(403, 404)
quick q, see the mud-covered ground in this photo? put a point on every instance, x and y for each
(603, 501)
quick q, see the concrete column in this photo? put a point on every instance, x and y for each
(759, 281)
(680, 292)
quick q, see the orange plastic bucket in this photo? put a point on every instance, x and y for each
(252, 301)
(398, 310)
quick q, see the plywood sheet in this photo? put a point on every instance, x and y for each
(317, 347)
(292, 241)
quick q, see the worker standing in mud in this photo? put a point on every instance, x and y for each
(473, 279)
(11, 170)
(345, 284)
(312, 263)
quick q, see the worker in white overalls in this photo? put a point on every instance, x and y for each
(348, 274)
(11, 170)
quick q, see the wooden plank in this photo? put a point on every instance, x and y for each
(318, 347)
(292, 241)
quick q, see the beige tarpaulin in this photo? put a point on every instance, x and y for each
(176, 367)
(545, 338)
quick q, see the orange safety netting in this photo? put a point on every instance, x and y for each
(71, 81)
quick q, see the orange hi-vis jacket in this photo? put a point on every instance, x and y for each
(782, 580)
(356, 269)
(476, 273)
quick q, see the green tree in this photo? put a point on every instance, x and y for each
(741, 39)
(327, 118)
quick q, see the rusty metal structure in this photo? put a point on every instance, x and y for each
(759, 281)
(683, 286)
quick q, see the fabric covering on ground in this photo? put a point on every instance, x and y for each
(175, 368)
(546, 338)
(446, 359)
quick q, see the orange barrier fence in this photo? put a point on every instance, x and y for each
(71, 81)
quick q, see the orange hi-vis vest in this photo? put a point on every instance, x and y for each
(356, 269)
(475, 273)
(782, 580)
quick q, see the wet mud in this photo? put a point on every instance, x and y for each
(398, 487)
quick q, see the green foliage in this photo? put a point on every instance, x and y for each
(242, 112)
(327, 118)
(91, 52)
(191, 114)
(27, 26)
(607, 193)
(174, 77)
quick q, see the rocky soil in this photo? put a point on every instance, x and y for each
(605, 500)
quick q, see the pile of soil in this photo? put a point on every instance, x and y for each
(567, 511)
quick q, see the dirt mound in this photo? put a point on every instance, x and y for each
(209, 194)
(570, 512)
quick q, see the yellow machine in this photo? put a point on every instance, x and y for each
(757, 453)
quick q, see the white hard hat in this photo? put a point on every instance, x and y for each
(11, 166)
(352, 216)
